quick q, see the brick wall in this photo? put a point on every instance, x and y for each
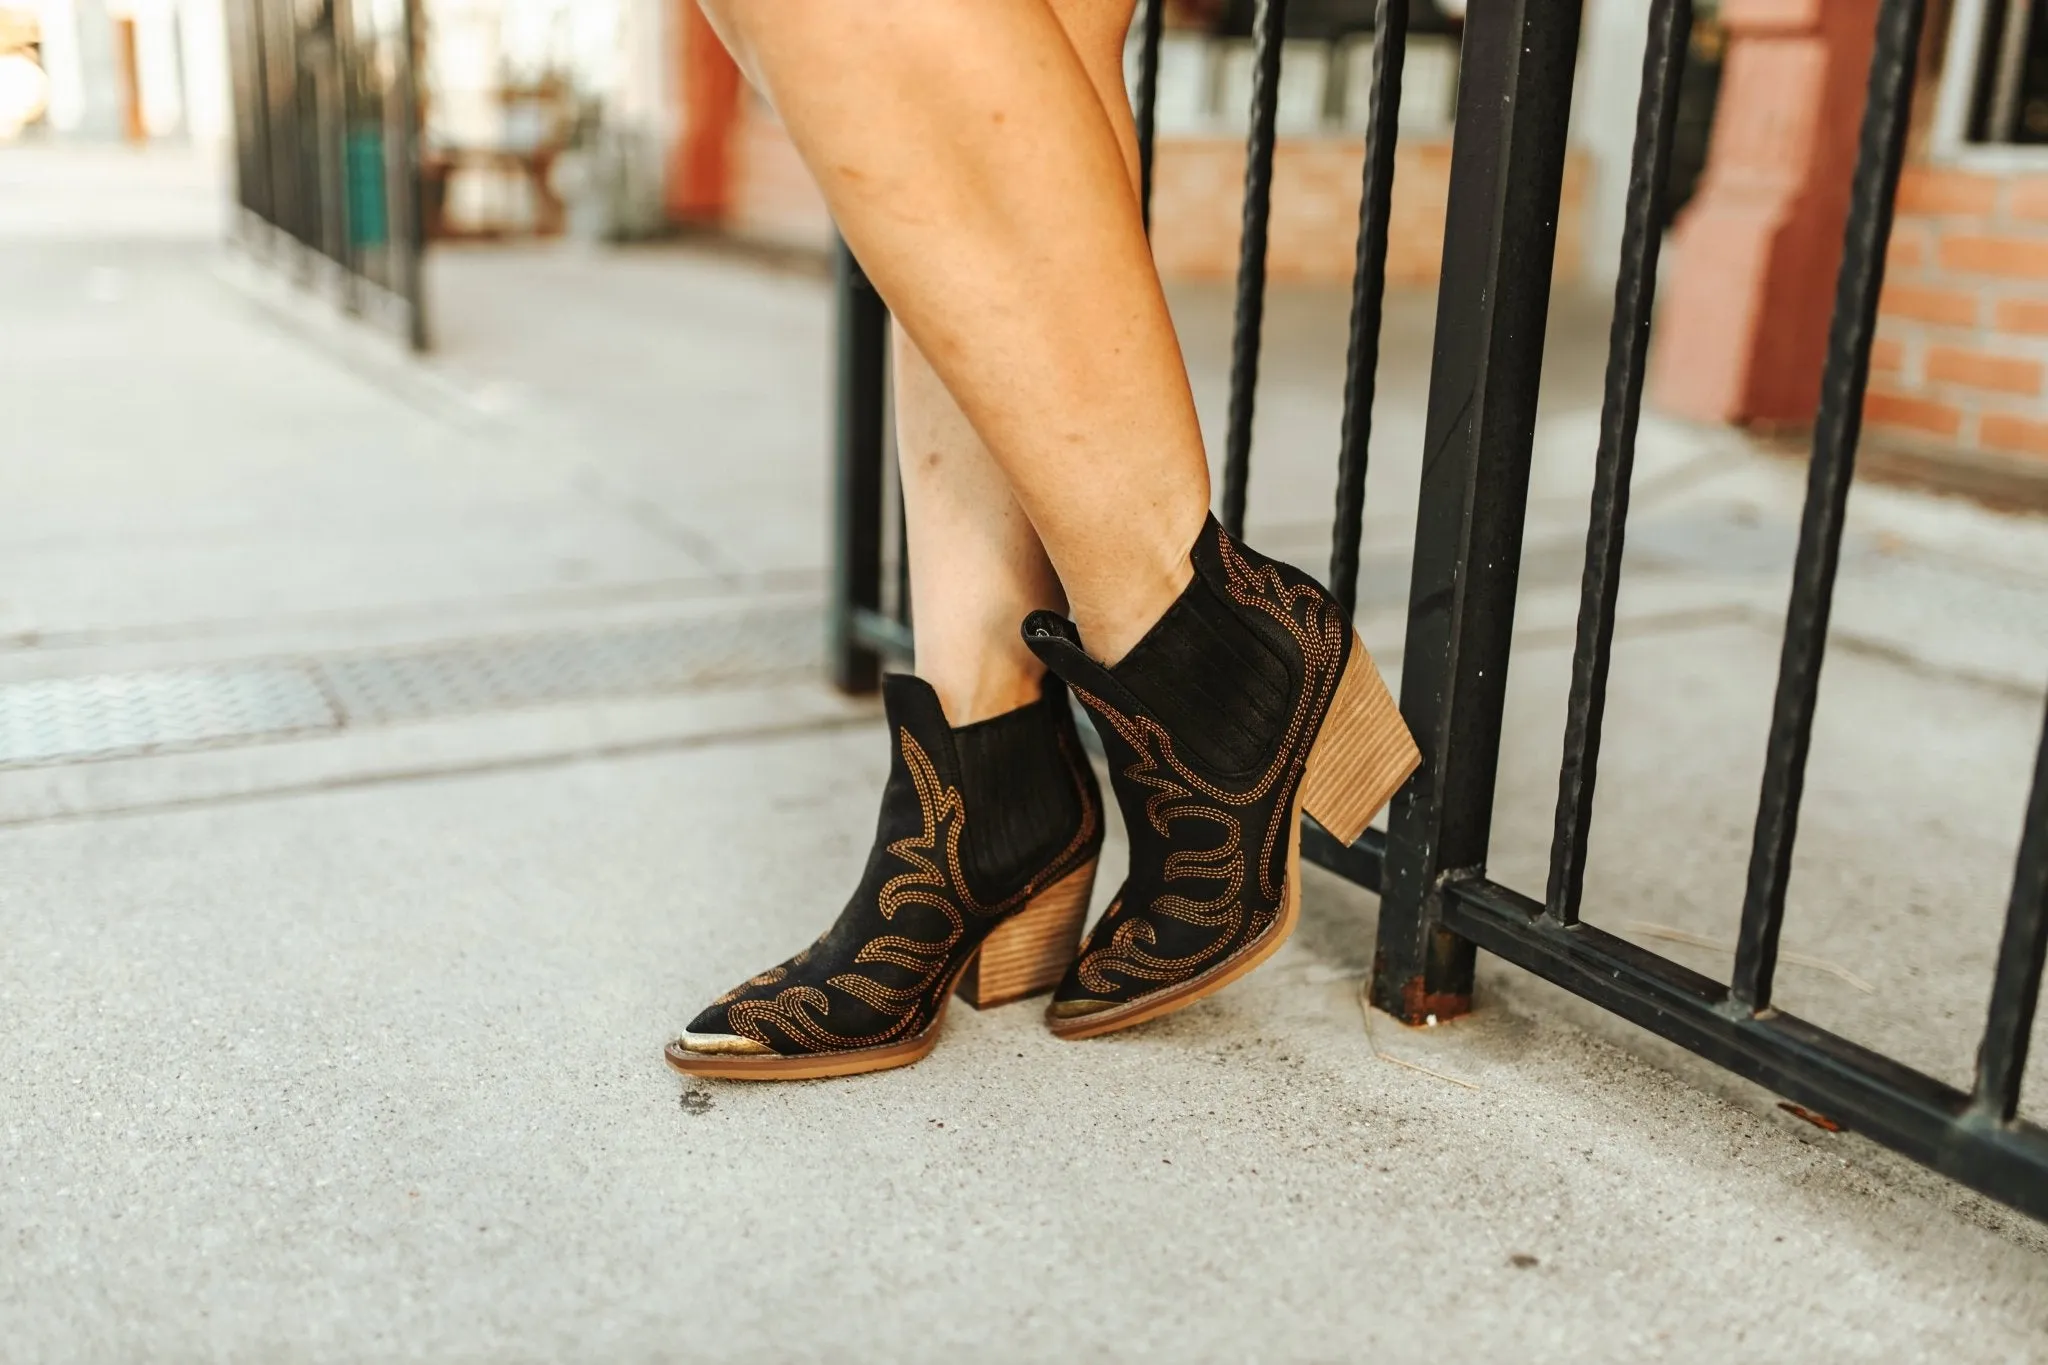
(1198, 196)
(1961, 354)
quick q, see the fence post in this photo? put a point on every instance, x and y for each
(860, 421)
(410, 226)
(1500, 238)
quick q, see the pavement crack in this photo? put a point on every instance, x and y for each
(392, 777)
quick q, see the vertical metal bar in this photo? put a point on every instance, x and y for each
(1500, 243)
(279, 66)
(1147, 101)
(903, 616)
(328, 79)
(346, 71)
(241, 61)
(1368, 292)
(2010, 70)
(1835, 432)
(2016, 989)
(409, 227)
(287, 120)
(860, 421)
(897, 518)
(1269, 25)
(404, 187)
(1628, 348)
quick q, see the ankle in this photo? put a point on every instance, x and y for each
(993, 688)
(1111, 626)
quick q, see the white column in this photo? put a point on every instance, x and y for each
(203, 42)
(1610, 78)
(99, 71)
(158, 79)
(62, 61)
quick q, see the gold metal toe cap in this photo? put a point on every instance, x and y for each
(1075, 1009)
(718, 1045)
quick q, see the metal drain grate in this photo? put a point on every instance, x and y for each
(115, 715)
(494, 675)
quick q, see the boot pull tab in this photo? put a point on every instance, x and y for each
(1057, 645)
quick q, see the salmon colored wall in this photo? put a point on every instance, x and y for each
(1742, 331)
(1198, 195)
(700, 165)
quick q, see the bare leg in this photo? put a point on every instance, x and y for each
(969, 159)
(984, 183)
(977, 565)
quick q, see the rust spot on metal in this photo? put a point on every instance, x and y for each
(1413, 1002)
(1820, 1121)
(1419, 1005)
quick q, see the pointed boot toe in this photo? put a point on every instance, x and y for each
(978, 880)
(694, 1044)
(1077, 1007)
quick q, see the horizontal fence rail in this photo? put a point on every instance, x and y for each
(1438, 906)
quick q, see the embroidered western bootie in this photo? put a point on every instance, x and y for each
(1250, 700)
(983, 861)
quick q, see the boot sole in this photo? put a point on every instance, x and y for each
(1023, 956)
(1362, 754)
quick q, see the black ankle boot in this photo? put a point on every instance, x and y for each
(1250, 700)
(983, 861)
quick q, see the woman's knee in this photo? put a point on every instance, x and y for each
(1098, 30)
(724, 16)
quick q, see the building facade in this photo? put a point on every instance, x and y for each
(1959, 388)
(131, 69)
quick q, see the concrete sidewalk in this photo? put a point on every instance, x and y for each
(331, 1029)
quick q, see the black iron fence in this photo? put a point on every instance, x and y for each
(1438, 906)
(327, 146)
